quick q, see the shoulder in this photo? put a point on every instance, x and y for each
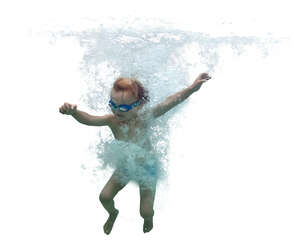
(110, 118)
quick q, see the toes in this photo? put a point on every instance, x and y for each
(147, 227)
(108, 227)
(106, 230)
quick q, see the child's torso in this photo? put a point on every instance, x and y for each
(135, 131)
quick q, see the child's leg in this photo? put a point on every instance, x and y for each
(112, 187)
(147, 196)
(110, 190)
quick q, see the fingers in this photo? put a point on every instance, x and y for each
(202, 80)
(67, 108)
(203, 77)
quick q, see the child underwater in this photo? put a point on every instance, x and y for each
(129, 123)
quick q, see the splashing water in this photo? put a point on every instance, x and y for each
(162, 58)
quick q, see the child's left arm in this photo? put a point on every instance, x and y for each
(180, 96)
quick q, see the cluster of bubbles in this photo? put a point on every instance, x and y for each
(161, 57)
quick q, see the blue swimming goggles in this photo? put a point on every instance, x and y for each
(124, 107)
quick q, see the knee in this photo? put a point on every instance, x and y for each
(146, 212)
(105, 197)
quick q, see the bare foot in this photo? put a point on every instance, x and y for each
(148, 225)
(110, 222)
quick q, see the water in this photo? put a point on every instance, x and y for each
(165, 59)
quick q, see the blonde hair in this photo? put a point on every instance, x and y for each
(133, 86)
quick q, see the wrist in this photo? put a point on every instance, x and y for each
(74, 113)
(194, 88)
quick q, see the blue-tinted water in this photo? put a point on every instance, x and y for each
(165, 60)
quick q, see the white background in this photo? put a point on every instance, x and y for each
(234, 181)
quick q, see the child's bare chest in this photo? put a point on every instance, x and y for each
(131, 132)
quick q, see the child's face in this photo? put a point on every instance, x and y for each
(120, 98)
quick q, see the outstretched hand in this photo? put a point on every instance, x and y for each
(68, 109)
(203, 77)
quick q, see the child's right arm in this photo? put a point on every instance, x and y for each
(84, 117)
